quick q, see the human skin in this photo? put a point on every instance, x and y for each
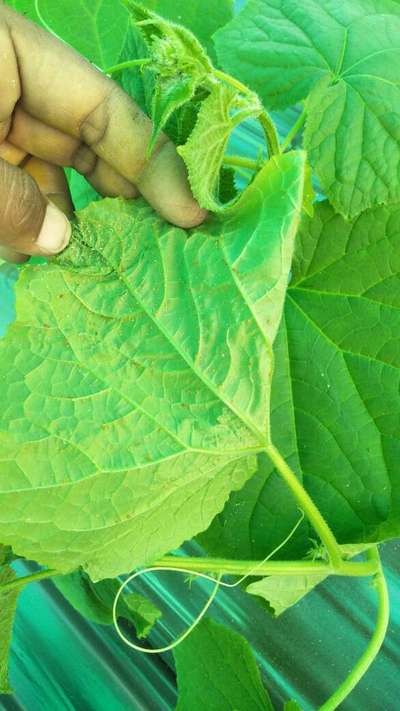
(58, 110)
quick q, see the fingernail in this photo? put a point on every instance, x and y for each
(55, 233)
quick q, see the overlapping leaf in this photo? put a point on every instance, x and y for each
(95, 601)
(136, 381)
(335, 397)
(345, 57)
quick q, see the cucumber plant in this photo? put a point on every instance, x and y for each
(160, 385)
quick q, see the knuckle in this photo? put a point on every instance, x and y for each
(94, 126)
(84, 160)
(19, 213)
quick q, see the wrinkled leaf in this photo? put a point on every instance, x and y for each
(335, 409)
(175, 50)
(203, 23)
(216, 670)
(284, 591)
(345, 56)
(8, 605)
(137, 377)
(95, 601)
(203, 154)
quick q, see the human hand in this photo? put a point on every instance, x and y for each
(57, 110)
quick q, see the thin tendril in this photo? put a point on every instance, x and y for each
(218, 584)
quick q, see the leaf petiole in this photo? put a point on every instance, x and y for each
(307, 505)
(26, 579)
(273, 567)
(127, 65)
(239, 162)
(286, 143)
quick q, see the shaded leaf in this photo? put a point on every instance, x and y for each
(143, 390)
(95, 601)
(169, 96)
(345, 57)
(284, 591)
(96, 28)
(217, 671)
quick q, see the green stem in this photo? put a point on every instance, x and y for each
(264, 118)
(307, 505)
(239, 162)
(274, 148)
(233, 82)
(21, 582)
(273, 567)
(127, 65)
(375, 643)
(294, 130)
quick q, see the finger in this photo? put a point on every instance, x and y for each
(52, 183)
(54, 146)
(82, 102)
(28, 223)
(11, 153)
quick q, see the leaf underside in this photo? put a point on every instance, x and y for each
(136, 379)
(343, 56)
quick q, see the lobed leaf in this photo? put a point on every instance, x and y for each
(343, 56)
(137, 377)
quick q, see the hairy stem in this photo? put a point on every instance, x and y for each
(264, 118)
(274, 148)
(307, 505)
(294, 131)
(273, 567)
(239, 162)
(127, 65)
(233, 82)
(376, 641)
(26, 579)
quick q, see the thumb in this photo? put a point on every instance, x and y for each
(28, 223)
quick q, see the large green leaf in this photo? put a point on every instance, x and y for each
(345, 56)
(96, 28)
(137, 377)
(217, 671)
(95, 601)
(336, 410)
(8, 605)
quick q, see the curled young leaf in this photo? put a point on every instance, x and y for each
(203, 153)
